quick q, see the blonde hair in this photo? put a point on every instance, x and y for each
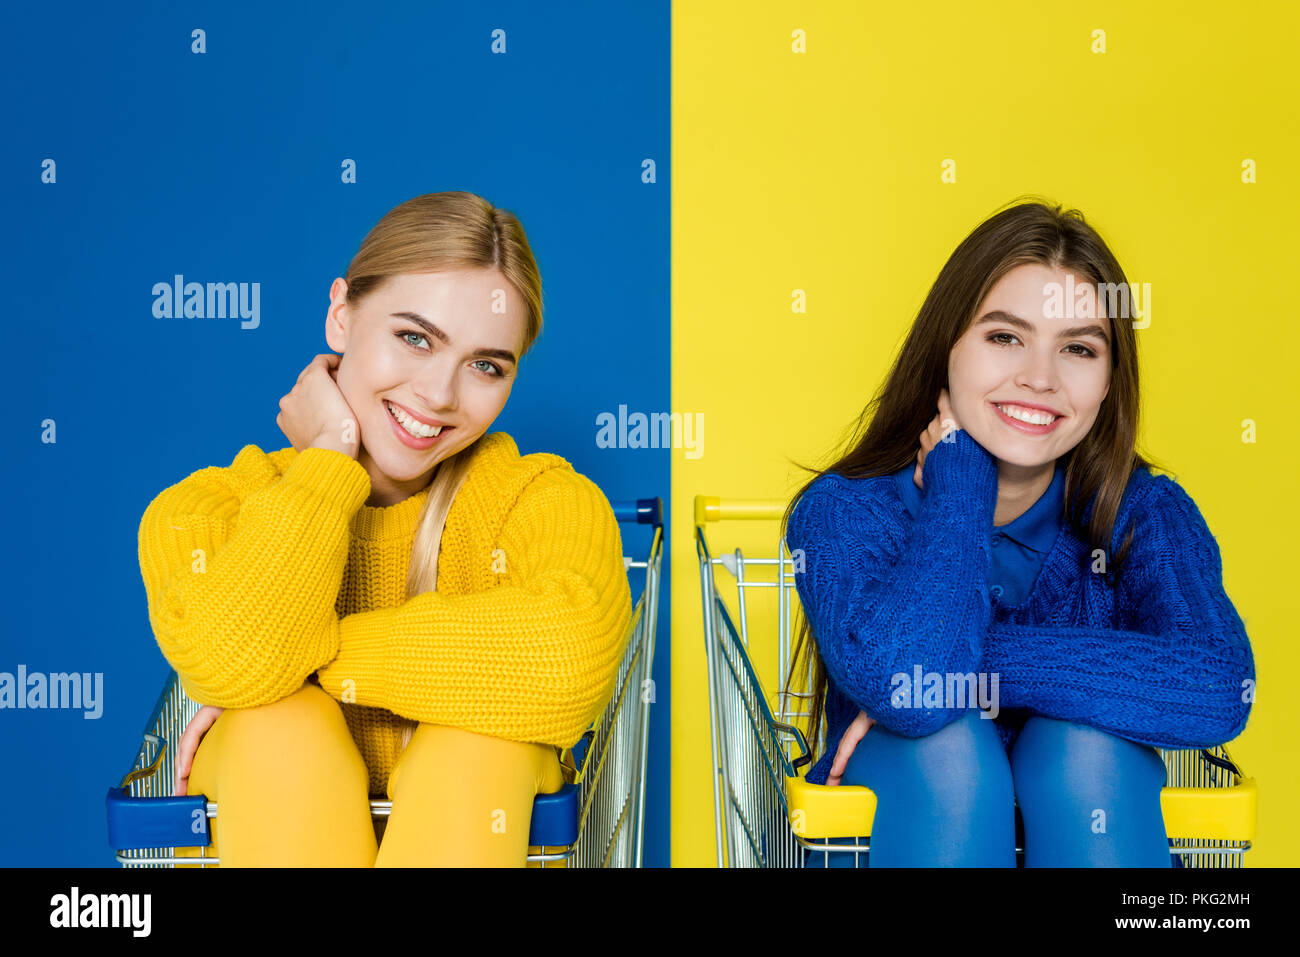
(433, 233)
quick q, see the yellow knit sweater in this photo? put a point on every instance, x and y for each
(260, 574)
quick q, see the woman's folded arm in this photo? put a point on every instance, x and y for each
(875, 615)
(533, 658)
(242, 568)
(1180, 674)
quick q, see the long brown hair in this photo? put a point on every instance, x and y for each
(433, 233)
(1097, 469)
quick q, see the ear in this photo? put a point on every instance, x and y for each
(338, 318)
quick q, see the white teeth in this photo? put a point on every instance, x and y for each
(1024, 415)
(417, 429)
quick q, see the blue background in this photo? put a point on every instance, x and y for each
(226, 167)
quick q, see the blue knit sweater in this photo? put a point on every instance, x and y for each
(1159, 657)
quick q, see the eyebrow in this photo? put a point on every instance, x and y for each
(1074, 332)
(441, 336)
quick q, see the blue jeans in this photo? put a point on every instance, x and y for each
(1087, 798)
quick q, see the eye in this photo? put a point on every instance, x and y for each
(1086, 353)
(493, 369)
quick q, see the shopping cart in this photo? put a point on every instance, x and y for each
(596, 820)
(768, 816)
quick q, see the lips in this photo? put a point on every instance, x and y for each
(423, 420)
(412, 441)
(1028, 405)
(1025, 427)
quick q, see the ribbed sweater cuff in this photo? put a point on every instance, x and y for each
(357, 673)
(332, 475)
(961, 466)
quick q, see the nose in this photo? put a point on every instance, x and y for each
(436, 386)
(1038, 371)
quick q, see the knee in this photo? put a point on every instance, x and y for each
(309, 705)
(1052, 755)
(466, 755)
(478, 764)
(962, 767)
(304, 733)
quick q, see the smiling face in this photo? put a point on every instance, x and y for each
(426, 350)
(1019, 349)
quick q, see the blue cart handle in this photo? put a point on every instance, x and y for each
(643, 511)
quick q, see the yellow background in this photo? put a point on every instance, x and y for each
(821, 171)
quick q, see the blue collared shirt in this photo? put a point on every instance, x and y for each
(1019, 547)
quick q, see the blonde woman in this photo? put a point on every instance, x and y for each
(399, 604)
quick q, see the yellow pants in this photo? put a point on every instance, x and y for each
(292, 791)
